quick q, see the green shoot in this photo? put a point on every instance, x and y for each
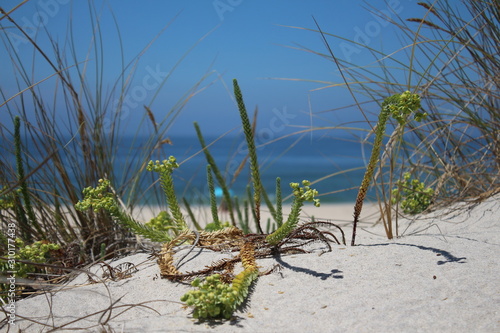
(254, 165)
(100, 198)
(165, 170)
(279, 203)
(399, 106)
(31, 218)
(301, 195)
(215, 298)
(215, 225)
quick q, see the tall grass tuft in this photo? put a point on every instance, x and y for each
(25, 213)
(71, 137)
(450, 58)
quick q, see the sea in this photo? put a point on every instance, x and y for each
(334, 166)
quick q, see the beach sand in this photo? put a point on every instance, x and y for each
(442, 275)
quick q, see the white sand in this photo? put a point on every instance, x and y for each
(443, 275)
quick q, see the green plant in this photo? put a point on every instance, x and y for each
(213, 202)
(25, 213)
(279, 203)
(63, 153)
(101, 198)
(449, 57)
(38, 253)
(216, 298)
(165, 170)
(218, 295)
(399, 106)
(301, 195)
(6, 201)
(252, 152)
(162, 222)
(412, 195)
(218, 175)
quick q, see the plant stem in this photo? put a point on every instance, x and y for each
(380, 130)
(254, 165)
(218, 175)
(399, 106)
(191, 214)
(279, 203)
(213, 201)
(301, 194)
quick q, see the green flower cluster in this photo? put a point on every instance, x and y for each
(6, 201)
(162, 222)
(400, 106)
(165, 166)
(6, 204)
(98, 198)
(101, 198)
(305, 193)
(212, 226)
(412, 194)
(301, 195)
(38, 252)
(215, 298)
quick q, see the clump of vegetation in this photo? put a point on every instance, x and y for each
(214, 297)
(101, 198)
(217, 296)
(7, 201)
(412, 195)
(48, 157)
(162, 222)
(449, 57)
(300, 195)
(400, 107)
(38, 252)
(165, 169)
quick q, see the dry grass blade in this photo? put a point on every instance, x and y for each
(60, 167)
(454, 67)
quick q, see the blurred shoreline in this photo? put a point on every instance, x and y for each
(341, 213)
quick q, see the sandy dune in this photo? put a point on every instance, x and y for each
(443, 275)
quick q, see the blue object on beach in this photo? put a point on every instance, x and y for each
(219, 193)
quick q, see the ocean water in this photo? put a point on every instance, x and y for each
(335, 164)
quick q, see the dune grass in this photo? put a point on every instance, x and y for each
(68, 141)
(450, 57)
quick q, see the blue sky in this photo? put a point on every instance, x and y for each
(247, 40)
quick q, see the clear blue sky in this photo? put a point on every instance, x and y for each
(246, 40)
